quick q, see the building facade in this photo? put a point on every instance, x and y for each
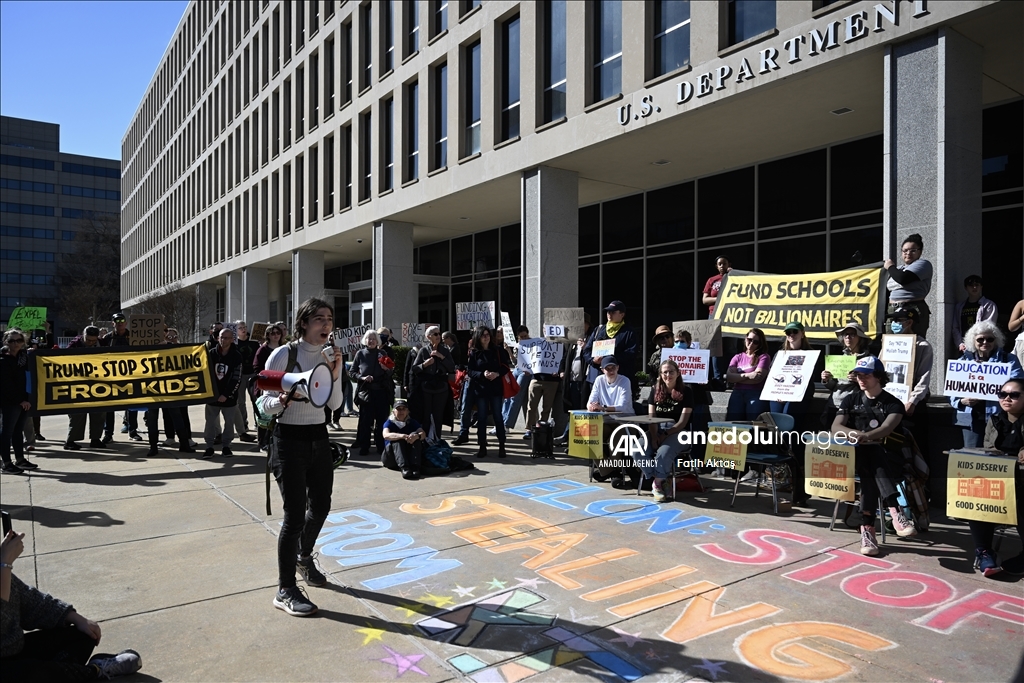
(47, 197)
(403, 156)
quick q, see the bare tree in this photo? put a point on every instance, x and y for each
(182, 308)
(88, 281)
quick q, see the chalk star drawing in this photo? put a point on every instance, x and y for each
(463, 625)
(628, 638)
(403, 662)
(464, 592)
(370, 633)
(496, 585)
(577, 618)
(411, 608)
(437, 600)
(713, 668)
(528, 583)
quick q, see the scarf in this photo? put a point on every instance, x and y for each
(612, 329)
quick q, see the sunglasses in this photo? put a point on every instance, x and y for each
(274, 334)
(790, 333)
(984, 340)
(755, 340)
(1012, 395)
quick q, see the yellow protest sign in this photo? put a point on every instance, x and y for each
(585, 431)
(822, 302)
(829, 470)
(727, 445)
(78, 380)
(981, 487)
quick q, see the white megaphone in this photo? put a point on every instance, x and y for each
(314, 386)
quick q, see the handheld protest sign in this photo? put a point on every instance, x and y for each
(840, 366)
(28, 318)
(790, 374)
(707, 334)
(585, 432)
(146, 330)
(829, 470)
(981, 487)
(975, 379)
(539, 356)
(257, 331)
(415, 333)
(693, 364)
(470, 314)
(348, 339)
(506, 327)
(572, 319)
(603, 347)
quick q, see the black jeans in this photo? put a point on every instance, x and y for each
(13, 434)
(433, 407)
(879, 472)
(983, 532)
(401, 455)
(489, 405)
(304, 472)
(52, 654)
(372, 416)
(152, 419)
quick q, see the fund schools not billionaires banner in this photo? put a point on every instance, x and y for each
(81, 380)
(822, 302)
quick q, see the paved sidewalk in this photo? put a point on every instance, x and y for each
(517, 570)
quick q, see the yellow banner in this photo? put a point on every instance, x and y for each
(79, 380)
(829, 471)
(727, 445)
(981, 487)
(585, 433)
(822, 302)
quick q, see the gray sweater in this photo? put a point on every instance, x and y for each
(31, 609)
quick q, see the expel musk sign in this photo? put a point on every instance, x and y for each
(822, 302)
(79, 380)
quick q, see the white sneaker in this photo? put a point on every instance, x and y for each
(903, 526)
(658, 491)
(748, 475)
(868, 544)
(125, 663)
(492, 431)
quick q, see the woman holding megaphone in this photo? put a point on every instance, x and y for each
(301, 460)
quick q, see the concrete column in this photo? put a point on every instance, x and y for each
(550, 220)
(932, 152)
(577, 70)
(395, 295)
(206, 308)
(307, 275)
(255, 299)
(233, 296)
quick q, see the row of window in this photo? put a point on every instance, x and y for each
(30, 209)
(25, 185)
(35, 233)
(66, 167)
(26, 162)
(25, 279)
(89, 215)
(91, 192)
(21, 255)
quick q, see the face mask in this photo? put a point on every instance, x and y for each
(383, 339)
(681, 345)
(400, 425)
(897, 327)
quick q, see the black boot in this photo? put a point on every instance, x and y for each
(482, 452)
(501, 450)
(461, 439)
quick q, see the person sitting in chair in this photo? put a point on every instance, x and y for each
(403, 438)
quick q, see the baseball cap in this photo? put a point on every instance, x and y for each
(608, 360)
(903, 314)
(868, 364)
(794, 325)
(401, 403)
(119, 316)
(615, 306)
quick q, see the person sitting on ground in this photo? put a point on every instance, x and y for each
(974, 309)
(865, 419)
(984, 342)
(60, 640)
(1004, 433)
(404, 437)
(672, 400)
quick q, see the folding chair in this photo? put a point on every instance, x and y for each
(774, 461)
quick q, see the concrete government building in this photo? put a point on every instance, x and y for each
(403, 156)
(46, 197)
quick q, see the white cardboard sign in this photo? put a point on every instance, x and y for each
(540, 356)
(975, 379)
(790, 374)
(693, 363)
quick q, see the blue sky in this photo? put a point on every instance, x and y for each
(83, 65)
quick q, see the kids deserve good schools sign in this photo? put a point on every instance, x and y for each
(822, 302)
